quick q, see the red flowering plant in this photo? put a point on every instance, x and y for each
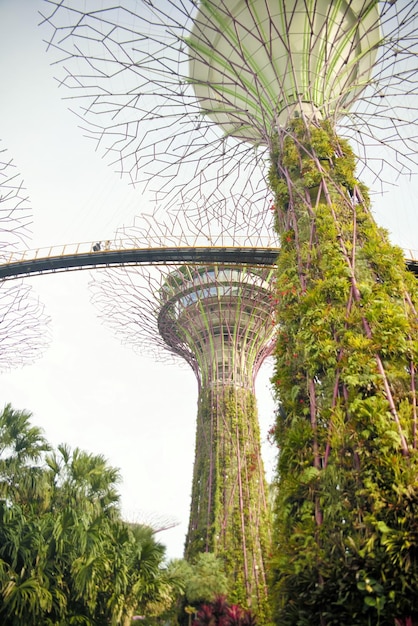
(221, 613)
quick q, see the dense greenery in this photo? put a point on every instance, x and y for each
(201, 581)
(346, 515)
(230, 512)
(193, 586)
(66, 556)
(220, 613)
(205, 579)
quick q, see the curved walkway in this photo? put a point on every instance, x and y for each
(85, 256)
(58, 259)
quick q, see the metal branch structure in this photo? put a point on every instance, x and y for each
(23, 326)
(219, 319)
(15, 210)
(137, 75)
(220, 97)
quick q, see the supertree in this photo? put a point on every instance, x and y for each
(217, 94)
(23, 326)
(217, 318)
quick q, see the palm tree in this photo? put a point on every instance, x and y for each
(21, 449)
(141, 583)
(66, 556)
(79, 477)
(86, 533)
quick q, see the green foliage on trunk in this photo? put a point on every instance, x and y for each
(230, 513)
(346, 529)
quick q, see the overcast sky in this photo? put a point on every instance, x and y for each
(87, 390)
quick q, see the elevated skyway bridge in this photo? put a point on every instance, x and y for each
(90, 255)
(95, 255)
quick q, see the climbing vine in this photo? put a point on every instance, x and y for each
(346, 530)
(230, 514)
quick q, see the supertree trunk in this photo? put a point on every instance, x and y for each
(230, 513)
(345, 378)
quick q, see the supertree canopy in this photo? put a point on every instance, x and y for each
(218, 95)
(23, 326)
(217, 318)
(255, 66)
(159, 86)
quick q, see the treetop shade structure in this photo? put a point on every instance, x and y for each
(217, 318)
(254, 65)
(176, 94)
(159, 289)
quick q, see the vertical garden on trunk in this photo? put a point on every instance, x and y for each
(229, 514)
(345, 380)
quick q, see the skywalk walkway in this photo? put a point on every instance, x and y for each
(106, 254)
(91, 256)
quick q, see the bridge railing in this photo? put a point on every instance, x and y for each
(67, 249)
(90, 247)
(411, 255)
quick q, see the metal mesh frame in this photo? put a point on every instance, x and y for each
(219, 320)
(125, 70)
(24, 326)
(129, 300)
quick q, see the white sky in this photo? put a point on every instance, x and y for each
(87, 390)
